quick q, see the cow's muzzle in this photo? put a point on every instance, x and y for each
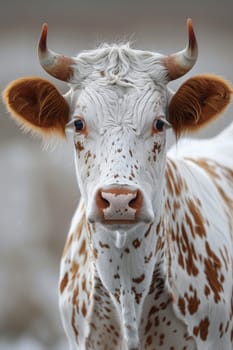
(119, 205)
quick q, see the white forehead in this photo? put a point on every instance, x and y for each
(119, 105)
(118, 84)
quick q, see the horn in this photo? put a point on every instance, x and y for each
(181, 62)
(58, 66)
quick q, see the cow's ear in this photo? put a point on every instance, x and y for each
(197, 102)
(37, 105)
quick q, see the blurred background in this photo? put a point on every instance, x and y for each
(38, 191)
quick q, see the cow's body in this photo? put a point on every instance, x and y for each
(148, 260)
(189, 302)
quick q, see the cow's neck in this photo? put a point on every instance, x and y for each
(125, 262)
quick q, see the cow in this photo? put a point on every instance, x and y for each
(148, 262)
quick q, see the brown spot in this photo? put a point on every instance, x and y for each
(84, 309)
(212, 267)
(74, 324)
(148, 326)
(207, 291)
(161, 339)
(103, 245)
(67, 245)
(107, 309)
(74, 269)
(232, 335)
(149, 340)
(79, 146)
(153, 310)
(138, 296)
(84, 283)
(95, 253)
(168, 179)
(139, 279)
(198, 219)
(156, 322)
(64, 282)
(191, 254)
(78, 230)
(87, 156)
(75, 295)
(136, 243)
(93, 325)
(159, 244)
(148, 231)
(225, 197)
(193, 302)
(181, 304)
(82, 250)
(147, 258)
(181, 260)
(202, 329)
(158, 227)
(173, 179)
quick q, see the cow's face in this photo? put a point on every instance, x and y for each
(120, 137)
(120, 108)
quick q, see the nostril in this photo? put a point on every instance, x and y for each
(136, 202)
(105, 203)
(101, 202)
(133, 202)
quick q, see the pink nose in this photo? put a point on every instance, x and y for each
(119, 204)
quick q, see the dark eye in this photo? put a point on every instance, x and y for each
(158, 125)
(79, 125)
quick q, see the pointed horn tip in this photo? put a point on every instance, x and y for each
(189, 22)
(192, 42)
(43, 38)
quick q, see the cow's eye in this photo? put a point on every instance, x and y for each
(79, 125)
(159, 125)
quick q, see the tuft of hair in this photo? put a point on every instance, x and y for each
(37, 106)
(198, 102)
(119, 63)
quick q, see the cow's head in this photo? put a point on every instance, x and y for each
(119, 107)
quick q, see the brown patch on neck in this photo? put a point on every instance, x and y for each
(198, 219)
(64, 282)
(202, 329)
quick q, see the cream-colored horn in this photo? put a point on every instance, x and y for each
(181, 62)
(58, 66)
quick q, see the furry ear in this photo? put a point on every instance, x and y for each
(197, 102)
(37, 105)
